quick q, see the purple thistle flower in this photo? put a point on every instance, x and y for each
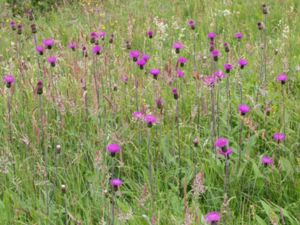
(113, 149)
(97, 50)
(39, 87)
(266, 160)
(134, 55)
(282, 78)
(150, 120)
(180, 73)
(93, 37)
(155, 73)
(125, 79)
(116, 183)
(226, 47)
(219, 75)
(141, 63)
(238, 36)
(279, 137)
(19, 29)
(48, 43)
(72, 46)
(210, 81)
(9, 80)
(102, 34)
(244, 109)
(215, 54)
(111, 38)
(211, 36)
(243, 63)
(13, 25)
(182, 61)
(175, 93)
(40, 49)
(52, 60)
(221, 143)
(150, 34)
(226, 153)
(138, 115)
(212, 218)
(227, 67)
(146, 58)
(192, 24)
(178, 46)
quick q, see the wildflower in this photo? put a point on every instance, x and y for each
(150, 34)
(33, 28)
(279, 137)
(210, 81)
(116, 183)
(238, 36)
(175, 93)
(102, 35)
(178, 46)
(141, 63)
(113, 149)
(134, 55)
(244, 109)
(52, 60)
(182, 61)
(261, 25)
(125, 79)
(215, 54)
(211, 36)
(159, 103)
(19, 29)
(266, 160)
(192, 24)
(40, 49)
(138, 115)
(180, 73)
(146, 58)
(111, 38)
(282, 78)
(265, 9)
(48, 43)
(155, 73)
(226, 47)
(39, 87)
(227, 67)
(150, 120)
(243, 63)
(221, 143)
(219, 75)
(196, 142)
(93, 37)
(97, 50)
(9, 80)
(13, 25)
(226, 152)
(213, 218)
(72, 46)
(84, 52)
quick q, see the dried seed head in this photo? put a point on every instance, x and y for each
(63, 188)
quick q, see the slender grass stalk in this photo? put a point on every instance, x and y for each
(97, 87)
(213, 117)
(136, 89)
(150, 165)
(9, 107)
(241, 143)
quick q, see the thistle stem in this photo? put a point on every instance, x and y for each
(150, 164)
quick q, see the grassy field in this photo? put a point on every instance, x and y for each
(54, 164)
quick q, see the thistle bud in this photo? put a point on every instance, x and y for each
(265, 9)
(39, 89)
(19, 29)
(33, 28)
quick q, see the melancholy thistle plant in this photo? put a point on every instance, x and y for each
(243, 110)
(48, 43)
(213, 218)
(279, 137)
(242, 64)
(9, 81)
(267, 161)
(282, 79)
(228, 67)
(134, 55)
(178, 46)
(116, 184)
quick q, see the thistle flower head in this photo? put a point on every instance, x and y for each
(182, 61)
(211, 35)
(279, 137)
(219, 75)
(159, 103)
(134, 55)
(102, 34)
(39, 87)
(40, 49)
(266, 160)
(9, 80)
(227, 67)
(215, 54)
(180, 73)
(116, 183)
(221, 143)
(97, 50)
(13, 25)
(146, 57)
(138, 115)
(244, 109)
(243, 63)
(72, 45)
(141, 63)
(155, 73)
(192, 24)
(52, 60)
(226, 47)
(282, 78)
(113, 149)
(212, 218)
(238, 36)
(150, 34)
(175, 93)
(210, 81)
(150, 120)
(48, 43)
(178, 46)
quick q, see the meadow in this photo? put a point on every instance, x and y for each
(151, 112)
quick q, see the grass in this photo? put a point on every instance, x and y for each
(256, 194)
